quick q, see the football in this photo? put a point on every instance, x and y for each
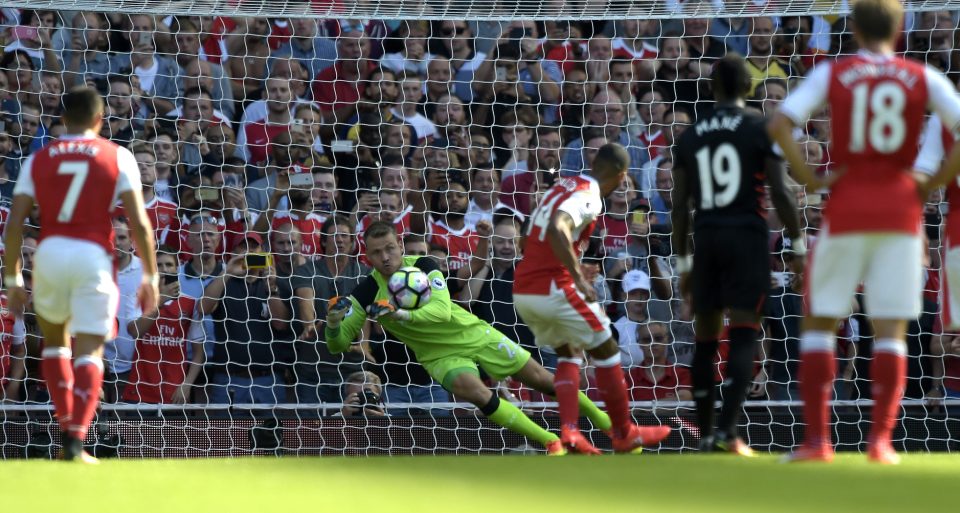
(409, 288)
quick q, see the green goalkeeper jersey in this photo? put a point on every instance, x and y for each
(435, 331)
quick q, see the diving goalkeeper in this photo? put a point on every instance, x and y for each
(449, 342)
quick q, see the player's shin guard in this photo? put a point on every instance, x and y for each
(743, 348)
(888, 373)
(88, 372)
(510, 417)
(613, 389)
(704, 384)
(57, 368)
(818, 369)
(566, 383)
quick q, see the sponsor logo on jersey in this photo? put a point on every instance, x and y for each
(438, 283)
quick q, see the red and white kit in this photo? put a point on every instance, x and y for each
(937, 142)
(872, 231)
(543, 291)
(161, 358)
(80, 179)
(310, 226)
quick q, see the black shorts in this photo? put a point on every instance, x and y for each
(731, 268)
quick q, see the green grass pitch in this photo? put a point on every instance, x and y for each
(489, 484)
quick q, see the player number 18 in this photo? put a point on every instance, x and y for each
(883, 125)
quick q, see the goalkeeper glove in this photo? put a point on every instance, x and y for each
(338, 308)
(384, 308)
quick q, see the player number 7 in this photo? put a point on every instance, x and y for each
(79, 170)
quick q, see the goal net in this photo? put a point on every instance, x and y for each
(270, 134)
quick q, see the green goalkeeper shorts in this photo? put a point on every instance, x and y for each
(500, 357)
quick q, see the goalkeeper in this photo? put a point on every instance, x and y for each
(449, 342)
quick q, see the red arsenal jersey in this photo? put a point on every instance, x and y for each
(12, 333)
(937, 143)
(257, 138)
(579, 197)
(877, 103)
(461, 244)
(76, 182)
(160, 362)
(310, 227)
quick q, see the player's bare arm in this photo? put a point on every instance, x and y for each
(781, 129)
(148, 293)
(680, 218)
(560, 235)
(12, 261)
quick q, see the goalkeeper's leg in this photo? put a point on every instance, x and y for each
(467, 385)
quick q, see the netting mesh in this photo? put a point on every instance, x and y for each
(289, 133)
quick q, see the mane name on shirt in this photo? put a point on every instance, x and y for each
(866, 70)
(715, 123)
(73, 148)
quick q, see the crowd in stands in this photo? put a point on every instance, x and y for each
(289, 136)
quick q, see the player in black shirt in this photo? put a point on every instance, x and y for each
(720, 167)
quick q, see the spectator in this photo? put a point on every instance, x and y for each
(613, 222)
(162, 213)
(513, 140)
(622, 82)
(13, 354)
(517, 191)
(256, 137)
(163, 370)
(652, 109)
(513, 76)
(325, 196)
(338, 88)
(380, 96)
(336, 272)
(607, 113)
(287, 71)
(194, 67)
(662, 201)
(258, 193)
(299, 216)
(450, 228)
(768, 95)
(145, 63)
(203, 263)
(485, 198)
(480, 150)
(793, 43)
(680, 75)
(412, 57)
(314, 52)
(84, 55)
(37, 43)
(247, 53)
(658, 378)
(636, 287)
(119, 353)
(411, 88)
(761, 63)
(19, 86)
(643, 251)
(244, 301)
(167, 164)
(51, 92)
(362, 396)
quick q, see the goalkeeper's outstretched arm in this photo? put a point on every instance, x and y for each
(343, 326)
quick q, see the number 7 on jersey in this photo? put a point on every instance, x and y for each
(79, 170)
